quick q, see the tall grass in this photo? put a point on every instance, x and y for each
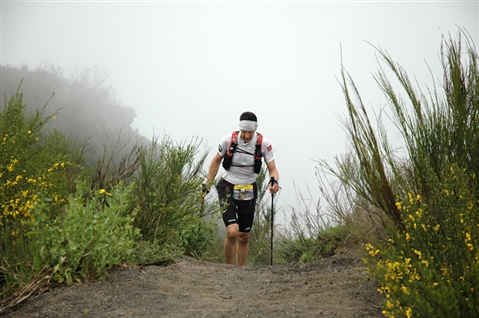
(260, 237)
(306, 236)
(428, 264)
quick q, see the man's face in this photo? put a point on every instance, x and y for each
(247, 135)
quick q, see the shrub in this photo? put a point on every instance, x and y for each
(29, 174)
(168, 194)
(92, 236)
(428, 267)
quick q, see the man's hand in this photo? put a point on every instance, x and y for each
(204, 191)
(273, 186)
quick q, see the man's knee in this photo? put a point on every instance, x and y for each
(243, 237)
(232, 232)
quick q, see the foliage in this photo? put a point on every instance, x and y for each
(260, 236)
(152, 253)
(61, 221)
(32, 172)
(114, 165)
(168, 193)
(429, 264)
(29, 172)
(92, 236)
(309, 236)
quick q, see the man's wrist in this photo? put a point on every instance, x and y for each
(205, 188)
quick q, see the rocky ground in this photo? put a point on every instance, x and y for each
(334, 287)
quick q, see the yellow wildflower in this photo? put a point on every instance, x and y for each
(409, 312)
(103, 191)
(418, 253)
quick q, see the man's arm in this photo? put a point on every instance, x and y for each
(214, 167)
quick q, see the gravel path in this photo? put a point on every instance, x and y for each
(334, 287)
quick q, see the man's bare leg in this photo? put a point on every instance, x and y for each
(243, 248)
(232, 231)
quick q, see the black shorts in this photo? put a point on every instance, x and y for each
(236, 211)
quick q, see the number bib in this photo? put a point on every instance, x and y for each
(243, 192)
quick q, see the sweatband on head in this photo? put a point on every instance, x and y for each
(248, 125)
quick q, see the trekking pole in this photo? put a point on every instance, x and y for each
(272, 220)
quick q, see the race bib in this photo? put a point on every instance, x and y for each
(243, 192)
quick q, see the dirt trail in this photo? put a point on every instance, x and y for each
(334, 287)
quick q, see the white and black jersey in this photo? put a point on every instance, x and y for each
(241, 170)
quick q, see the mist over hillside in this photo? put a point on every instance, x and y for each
(85, 108)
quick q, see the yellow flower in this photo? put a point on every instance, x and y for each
(389, 304)
(468, 237)
(409, 312)
(418, 253)
(404, 290)
(374, 253)
(103, 191)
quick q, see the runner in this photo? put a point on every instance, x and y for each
(241, 154)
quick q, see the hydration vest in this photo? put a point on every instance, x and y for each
(228, 157)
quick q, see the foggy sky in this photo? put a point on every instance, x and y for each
(191, 68)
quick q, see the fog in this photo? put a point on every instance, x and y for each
(189, 69)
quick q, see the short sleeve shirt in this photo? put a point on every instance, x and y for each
(241, 170)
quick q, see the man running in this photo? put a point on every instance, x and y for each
(241, 154)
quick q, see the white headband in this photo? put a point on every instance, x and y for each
(248, 125)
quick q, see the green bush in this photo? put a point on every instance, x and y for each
(302, 248)
(168, 194)
(92, 236)
(32, 171)
(432, 269)
(428, 265)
